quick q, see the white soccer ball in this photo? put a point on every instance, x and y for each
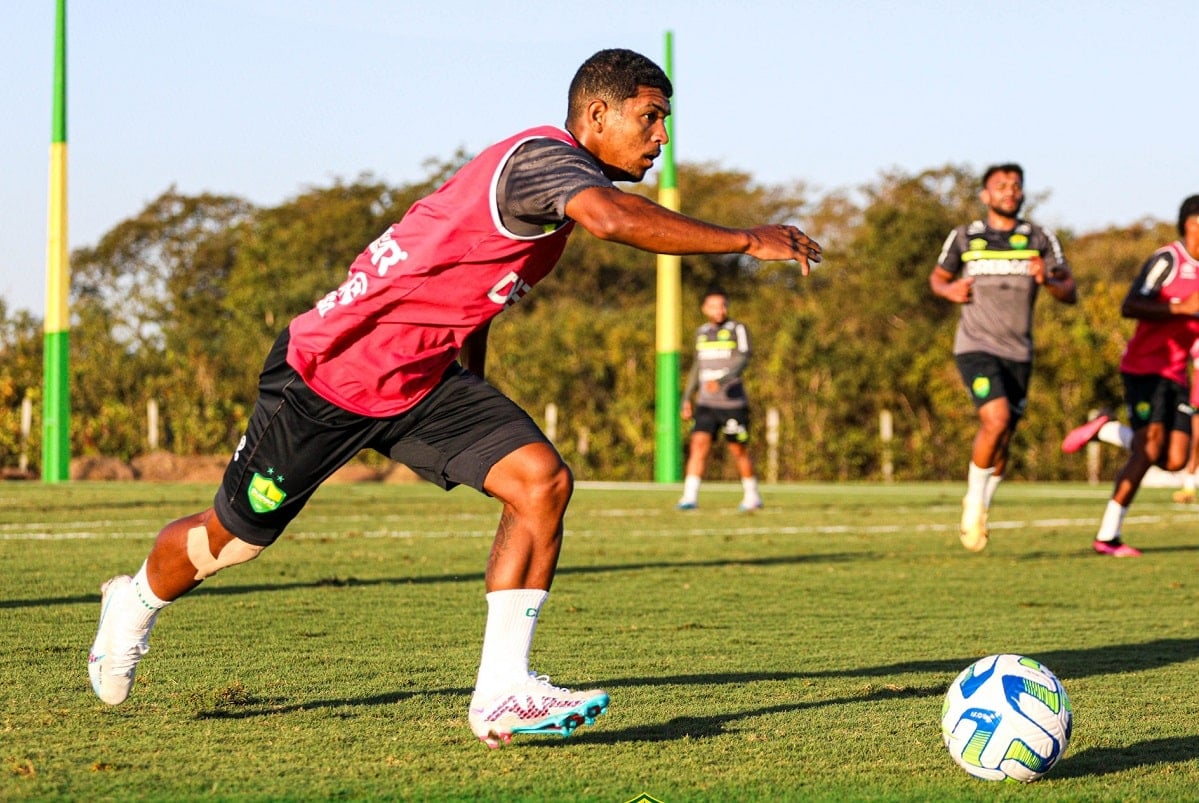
(1006, 717)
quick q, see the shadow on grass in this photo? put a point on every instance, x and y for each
(264, 707)
(717, 724)
(473, 577)
(1107, 760)
(1073, 663)
(1066, 664)
(477, 577)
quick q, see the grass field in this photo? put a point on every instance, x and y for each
(797, 653)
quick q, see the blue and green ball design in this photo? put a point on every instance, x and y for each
(1006, 718)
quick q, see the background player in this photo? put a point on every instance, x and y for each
(1164, 301)
(994, 268)
(722, 351)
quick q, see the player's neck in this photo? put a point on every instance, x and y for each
(1001, 222)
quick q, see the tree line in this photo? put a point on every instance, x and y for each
(181, 302)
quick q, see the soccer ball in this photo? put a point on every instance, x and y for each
(1006, 718)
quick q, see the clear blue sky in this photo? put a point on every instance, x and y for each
(264, 98)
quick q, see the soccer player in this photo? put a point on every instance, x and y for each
(1164, 301)
(994, 268)
(722, 351)
(393, 360)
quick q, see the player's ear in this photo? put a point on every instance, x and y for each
(597, 111)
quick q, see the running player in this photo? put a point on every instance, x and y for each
(1164, 301)
(994, 269)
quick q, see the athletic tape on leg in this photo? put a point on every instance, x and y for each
(234, 552)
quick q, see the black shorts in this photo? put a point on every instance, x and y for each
(733, 423)
(295, 440)
(988, 377)
(1153, 399)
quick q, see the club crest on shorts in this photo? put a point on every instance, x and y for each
(264, 495)
(981, 387)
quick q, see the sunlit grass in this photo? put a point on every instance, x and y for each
(800, 652)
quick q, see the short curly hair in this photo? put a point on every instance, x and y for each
(1189, 207)
(613, 75)
(1008, 167)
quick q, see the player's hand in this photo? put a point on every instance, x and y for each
(1036, 269)
(686, 411)
(779, 242)
(960, 291)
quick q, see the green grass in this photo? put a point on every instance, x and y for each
(798, 653)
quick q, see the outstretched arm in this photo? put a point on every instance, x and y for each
(624, 217)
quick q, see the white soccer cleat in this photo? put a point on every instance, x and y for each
(116, 651)
(974, 526)
(534, 706)
(750, 503)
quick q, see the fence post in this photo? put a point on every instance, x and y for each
(584, 443)
(551, 422)
(152, 423)
(26, 429)
(886, 431)
(772, 445)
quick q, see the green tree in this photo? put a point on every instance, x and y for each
(180, 302)
(147, 323)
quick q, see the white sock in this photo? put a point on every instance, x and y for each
(1116, 434)
(1113, 521)
(749, 487)
(691, 489)
(511, 620)
(992, 485)
(976, 483)
(1188, 481)
(148, 603)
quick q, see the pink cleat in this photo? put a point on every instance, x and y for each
(1080, 436)
(1117, 549)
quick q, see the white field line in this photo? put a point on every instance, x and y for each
(31, 534)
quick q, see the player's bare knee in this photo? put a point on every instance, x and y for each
(552, 488)
(562, 485)
(233, 552)
(1174, 463)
